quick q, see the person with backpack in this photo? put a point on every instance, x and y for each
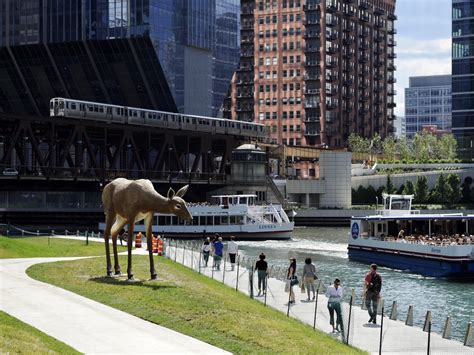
(373, 285)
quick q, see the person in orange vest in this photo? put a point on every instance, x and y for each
(160, 243)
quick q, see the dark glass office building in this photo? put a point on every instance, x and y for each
(463, 76)
(174, 55)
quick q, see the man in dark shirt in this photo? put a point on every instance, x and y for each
(261, 266)
(373, 285)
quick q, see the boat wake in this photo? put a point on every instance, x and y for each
(301, 245)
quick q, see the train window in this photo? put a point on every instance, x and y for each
(51, 105)
(61, 104)
(135, 114)
(117, 111)
(142, 114)
(73, 106)
(101, 109)
(67, 104)
(109, 110)
(90, 108)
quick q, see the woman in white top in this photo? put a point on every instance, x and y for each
(334, 295)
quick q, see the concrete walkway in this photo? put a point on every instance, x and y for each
(86, 325)
(397, 338)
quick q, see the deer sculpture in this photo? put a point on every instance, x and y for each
(130, 201)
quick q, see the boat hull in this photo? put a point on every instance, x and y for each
(424, 265)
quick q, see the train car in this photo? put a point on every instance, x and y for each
(78, 109)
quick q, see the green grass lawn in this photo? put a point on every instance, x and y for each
(191, 304)
(17, 337)
(31, 247)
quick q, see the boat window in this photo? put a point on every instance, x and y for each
(379, 228)
(224, 220)
(217, 220)
(233, 219)
(209, 220)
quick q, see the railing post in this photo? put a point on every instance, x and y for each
(237, 279)
(381, 329)
(350, 314)
(316, 304)
(184, 251)
(176, 250)
(223, 271)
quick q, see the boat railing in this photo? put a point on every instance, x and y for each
(396, 212)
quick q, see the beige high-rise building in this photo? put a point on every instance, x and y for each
(315, 71)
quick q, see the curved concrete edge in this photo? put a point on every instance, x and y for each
(86, 325)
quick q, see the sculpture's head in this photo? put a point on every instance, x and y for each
(177, 205)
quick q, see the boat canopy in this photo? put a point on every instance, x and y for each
(418, 217)
(225, 200)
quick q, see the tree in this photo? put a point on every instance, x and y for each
(389, 146)
(409, 188)
(421, 190)
(389, 187)
(376, 144)
(404, 149)
(447, 147)
(422, 146)
(442, 190)
(466, 190)
(358, 144)
(454, 192)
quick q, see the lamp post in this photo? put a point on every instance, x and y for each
(170, 149)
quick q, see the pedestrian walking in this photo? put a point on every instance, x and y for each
(334, 295)
(206, 250)
(233, 251)
(373, 286)
(218, 251)
(309, 276)
(291, 279)
(262, 268)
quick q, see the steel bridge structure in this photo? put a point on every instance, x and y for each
(48, 148)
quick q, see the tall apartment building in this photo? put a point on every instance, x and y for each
(315, 71)
(173, 55)
(463, 76)
(428, 103)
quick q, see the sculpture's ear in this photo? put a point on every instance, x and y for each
(170, 193)
(182, 191)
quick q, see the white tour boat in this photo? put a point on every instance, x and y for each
(227, 215)
(436, 245)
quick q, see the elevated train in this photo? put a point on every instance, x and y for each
(85, 110)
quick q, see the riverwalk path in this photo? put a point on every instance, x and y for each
(397, 338)
(86, 325)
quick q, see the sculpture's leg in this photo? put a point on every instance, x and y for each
(109, 221)
(129, 247)
(149, 241)
(117, 227)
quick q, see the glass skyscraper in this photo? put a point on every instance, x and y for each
(164, 54)
(428, 103)
(463, 75)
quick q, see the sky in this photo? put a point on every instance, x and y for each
(423, 42)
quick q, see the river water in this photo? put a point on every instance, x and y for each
(328, 249)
